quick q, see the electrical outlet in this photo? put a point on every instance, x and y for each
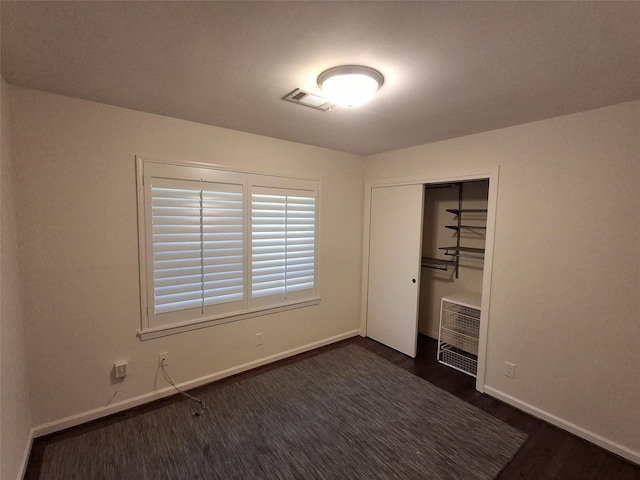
(121, 369)
(163, 359)
(509, 369)
(259, 338)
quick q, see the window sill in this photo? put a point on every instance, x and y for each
(163, 331)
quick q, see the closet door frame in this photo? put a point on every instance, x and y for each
(489, 173)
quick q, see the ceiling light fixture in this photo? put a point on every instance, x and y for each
(350, 85)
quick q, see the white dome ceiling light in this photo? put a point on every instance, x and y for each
(350, 85)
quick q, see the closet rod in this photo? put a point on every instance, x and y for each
(437, 263)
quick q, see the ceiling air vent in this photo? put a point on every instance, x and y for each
(308, 100)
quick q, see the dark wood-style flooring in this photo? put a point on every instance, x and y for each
(548, 454)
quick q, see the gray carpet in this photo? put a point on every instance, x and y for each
(343, 414)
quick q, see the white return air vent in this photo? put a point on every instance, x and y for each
(308, 100)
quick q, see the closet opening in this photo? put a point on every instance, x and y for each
(454, 234)
(428, 238)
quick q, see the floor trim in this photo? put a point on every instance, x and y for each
(87, 416)
(25, 455)
(611, 446)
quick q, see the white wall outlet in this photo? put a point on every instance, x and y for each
(121, 369)
(163, 359)
(259, 338)
(509, 369)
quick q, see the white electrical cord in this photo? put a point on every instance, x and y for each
(116, 392)
(191, 397)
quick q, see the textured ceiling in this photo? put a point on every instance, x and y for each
(451, 68)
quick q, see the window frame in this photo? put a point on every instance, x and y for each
(157, 325)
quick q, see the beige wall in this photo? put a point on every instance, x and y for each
(566, 271)
(79, 250)
(15, 416)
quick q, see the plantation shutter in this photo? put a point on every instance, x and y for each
(197, 248)
(300, 261)
(282, 244)
(177, 250)
(219, 245)
(222, 245)
(268, 236)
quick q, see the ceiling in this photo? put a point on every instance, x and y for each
(450, 68)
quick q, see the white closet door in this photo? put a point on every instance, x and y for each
(395, 245)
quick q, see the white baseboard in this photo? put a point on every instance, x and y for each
(621, 450)
(80, 418)
(25, 456)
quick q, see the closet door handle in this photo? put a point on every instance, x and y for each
(413, 280)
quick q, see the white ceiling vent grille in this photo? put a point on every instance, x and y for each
(308, 100)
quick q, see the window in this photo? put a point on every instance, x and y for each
(217, 246)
